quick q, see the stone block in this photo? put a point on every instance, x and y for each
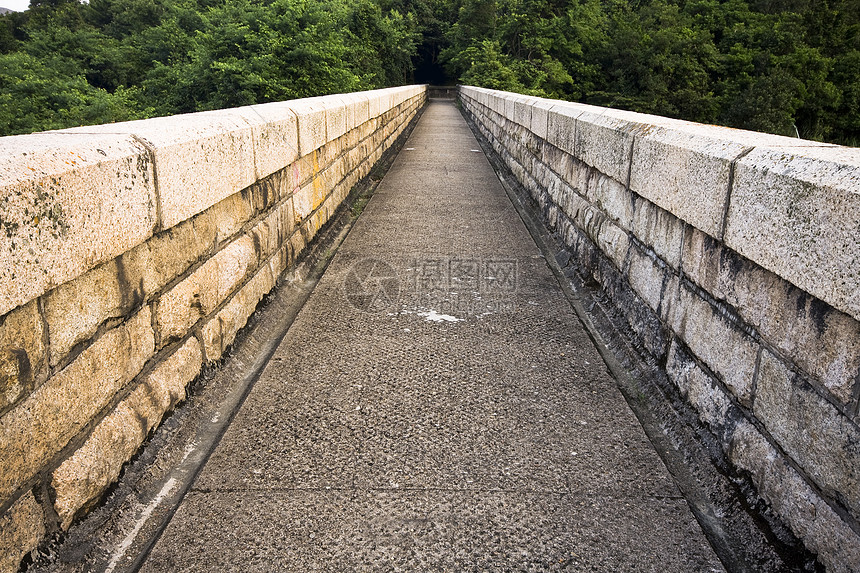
(68, 202)
(713, 337)
(220, 332)
(561, 127)
(497, 103)
(200, 158)
(23, 355)
(359, 110)
(555, 159)
(713, 406)
(85, 476)
(685, 173)
(310, 114)
(201, 292)
(272, 231)
(22, 527)
(509, 109)
(231, 214)
(646, 276)
(660, 230)
(167, 255)
(612, 198)
(824, 442)
(386, 101)
(810, 518)
(279, 262)
(643, 321)
(540, 112)
(43, 424)
(297, 243)
(276, 136)
(303, 169)
(612, 241)
(819, 339)
(573, 204)
(303, 202)
(604, 143)
(75, 310)
(374, 104)
(336, 116)
(797, 213)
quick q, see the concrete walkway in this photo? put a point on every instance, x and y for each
(435, 406)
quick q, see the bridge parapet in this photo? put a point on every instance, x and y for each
(130, 255)
(735, 261)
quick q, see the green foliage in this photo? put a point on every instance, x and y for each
(787, 66)
(63, 63)
(784, 67)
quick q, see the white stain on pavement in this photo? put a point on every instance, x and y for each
(434, 316)
(144, 516)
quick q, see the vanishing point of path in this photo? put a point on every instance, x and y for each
(436, 405)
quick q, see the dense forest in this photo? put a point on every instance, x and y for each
(784, 66)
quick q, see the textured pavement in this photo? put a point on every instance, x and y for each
(435, 406)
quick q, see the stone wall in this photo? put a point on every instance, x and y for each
(130, 256)
(735, 258)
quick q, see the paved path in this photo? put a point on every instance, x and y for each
(435, 406)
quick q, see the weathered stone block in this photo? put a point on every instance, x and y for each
(508, 110)
(819, 339)
(201, 292)
(200, 158)
(67, 203)
(539, 121)
(604, 143)
(685, 173)
(231, 214)
(75, 309)
(303, 202)
(22, 527)
(713, 337)
(701, 391)
(497, 103)
(660, 230)
(613, 242)
(310, 114)
(86, 475)
(374, 105)
(646, 277)
(297, 243)
(220, 331)
(336, 115)
(561, 127)
(43, 424)
(823, 532)
(303, 170)
(359, 110)
(612, 198)
(23, 356)
(168, 254)
(276, 137)
(825, 443)
(610, 239)
(573, 204)
(797, 213)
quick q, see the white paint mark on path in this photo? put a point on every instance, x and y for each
(434, 316)
(129, 539)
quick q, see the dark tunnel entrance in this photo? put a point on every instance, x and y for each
(428, 69)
